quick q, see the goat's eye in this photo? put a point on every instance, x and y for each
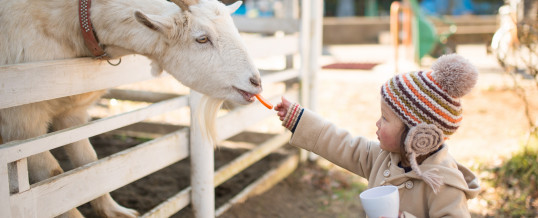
(202, 39)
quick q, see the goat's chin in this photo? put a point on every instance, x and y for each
(207, 117)
(241, 101)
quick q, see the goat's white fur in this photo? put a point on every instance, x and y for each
(207, 115)
(35, 30)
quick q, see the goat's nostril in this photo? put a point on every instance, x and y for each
(255, 81)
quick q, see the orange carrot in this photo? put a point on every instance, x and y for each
(264, 102)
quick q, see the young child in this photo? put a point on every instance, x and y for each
(420, 110)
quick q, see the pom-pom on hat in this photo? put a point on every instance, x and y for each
(428, 102)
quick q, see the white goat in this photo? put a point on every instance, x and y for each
(196, 42)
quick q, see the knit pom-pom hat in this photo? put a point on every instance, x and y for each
(429, 104)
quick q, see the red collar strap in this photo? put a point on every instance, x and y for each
(87, 30)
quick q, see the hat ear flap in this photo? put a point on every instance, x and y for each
(423, 139)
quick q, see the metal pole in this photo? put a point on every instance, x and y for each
(202, 165)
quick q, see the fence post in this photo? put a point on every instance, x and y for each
(202, 165)
(316, 44)
(304, 44)
(311, 46)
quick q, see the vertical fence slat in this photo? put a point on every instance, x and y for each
(5, 210)
(18, 171)
(202, 166)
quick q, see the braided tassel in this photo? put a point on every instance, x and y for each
(430, 177)
(433, 179)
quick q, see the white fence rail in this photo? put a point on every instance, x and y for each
(32, 82)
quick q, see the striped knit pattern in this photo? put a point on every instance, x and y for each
(292, 116)
(417, 98)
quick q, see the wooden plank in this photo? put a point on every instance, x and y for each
(146, 130)
(59, 194)
(16, 150)
(266, 24)
(37, 81)
(245, 160)
(135, 95)
(263, 184)
(171, 205)
(263, 47)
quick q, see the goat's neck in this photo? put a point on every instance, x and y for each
(48, 30)
(119, 31)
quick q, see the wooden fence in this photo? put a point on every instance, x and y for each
(37, 81)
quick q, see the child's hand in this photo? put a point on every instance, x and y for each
(282, 108)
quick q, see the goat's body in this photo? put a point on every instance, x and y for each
(37, 30)
(48, 30)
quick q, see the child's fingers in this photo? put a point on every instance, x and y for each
(279, 107)
(285, 102)
(282, 108)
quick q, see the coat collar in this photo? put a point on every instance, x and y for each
(455, 174)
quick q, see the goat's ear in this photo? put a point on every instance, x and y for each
(233, 7)
(154, 22)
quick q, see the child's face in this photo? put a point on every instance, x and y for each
(389, 129)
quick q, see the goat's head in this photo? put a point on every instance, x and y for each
(202, 49)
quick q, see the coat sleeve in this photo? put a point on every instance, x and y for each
(449, 202)
(356, 154)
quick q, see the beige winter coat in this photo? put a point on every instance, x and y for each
(379, 167)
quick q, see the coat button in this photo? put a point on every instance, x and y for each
(409, 184)
(386, 173)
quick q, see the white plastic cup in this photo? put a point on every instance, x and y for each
(381, 201)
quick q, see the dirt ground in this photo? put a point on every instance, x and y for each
(494, 124)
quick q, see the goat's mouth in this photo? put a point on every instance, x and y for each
(249, 97)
